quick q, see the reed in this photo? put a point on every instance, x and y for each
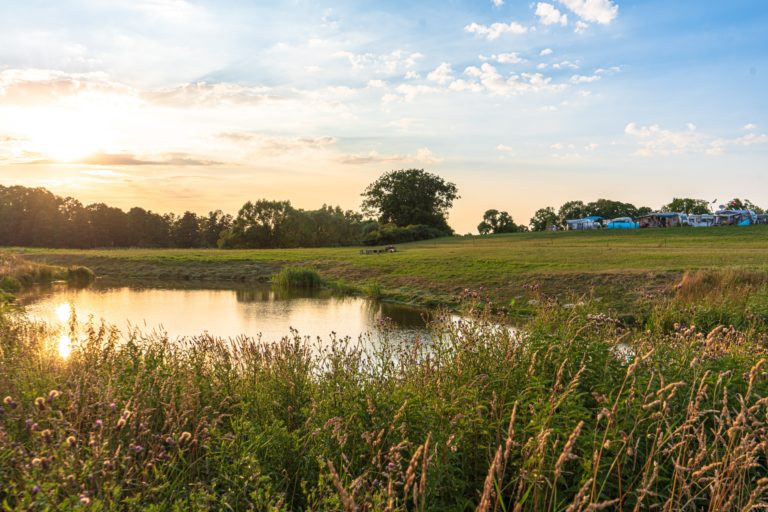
(297, 278)
(574, 412)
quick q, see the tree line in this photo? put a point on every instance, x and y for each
(401, 206)
(495, 221)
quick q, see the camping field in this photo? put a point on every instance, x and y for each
(619, 267)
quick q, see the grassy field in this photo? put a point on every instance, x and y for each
(577, 410)
(621, 268)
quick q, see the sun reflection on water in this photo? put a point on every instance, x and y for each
(63, 312)
(64, 346)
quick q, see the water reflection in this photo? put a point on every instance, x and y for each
(221, 312)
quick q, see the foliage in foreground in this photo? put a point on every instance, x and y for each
(577, 414)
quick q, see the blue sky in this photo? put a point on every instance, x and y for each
(176, 105)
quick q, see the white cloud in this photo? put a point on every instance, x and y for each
(504, 148)
(497, 3)
(597, 11)
(566, 64)
(411, 75)
(581, 27)
(657, 141)
(750, 126)
(505, 58)
(423, 156)
(410, 91)
(549, 15)
(487, 77)
(494, 31)
(546, 51)
(442, 74)
(392, 63)
(583, 79)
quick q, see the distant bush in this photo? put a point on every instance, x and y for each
(391, 234)
(10, 284)
(298, 277)
(80, 275)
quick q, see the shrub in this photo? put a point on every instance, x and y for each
(10, 284)
(80, 275)
(298, 277)
(391, 234)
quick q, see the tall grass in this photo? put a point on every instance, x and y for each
(297, 278)
(574, 412)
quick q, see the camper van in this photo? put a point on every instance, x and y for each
(704, 220)
(736, 218)
(593, 222)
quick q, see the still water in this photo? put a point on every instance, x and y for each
(226, 313)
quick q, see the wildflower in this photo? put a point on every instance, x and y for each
(7, 400)
(184, 437)
(71, 441)
(53, 395)
(113, 406)
(99, 424)
(47, 435)
(85, 500)
(36, 489)
(40, 403)
(136, 448)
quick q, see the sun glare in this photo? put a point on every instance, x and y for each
(64, 312)
(64, 346)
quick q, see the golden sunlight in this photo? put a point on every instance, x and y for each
(64, 346)
(64, 312)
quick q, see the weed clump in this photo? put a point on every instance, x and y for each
(80, 275)
(298, 278)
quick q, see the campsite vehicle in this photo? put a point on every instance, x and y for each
(592, 222)
(663, 220)
(736, 218)
(704, 220)
(622, 223)
(762, 218)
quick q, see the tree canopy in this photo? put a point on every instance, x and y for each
(410, 197)
(497, 222)
(687, 205)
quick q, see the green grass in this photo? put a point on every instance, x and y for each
(619, 267)
(578, 411)
(297, 278)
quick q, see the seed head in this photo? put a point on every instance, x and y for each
(85, 500)
(37, 462)
(8, 400)
(71, 441)
(184, 437)
(40, 403)
(53, 395)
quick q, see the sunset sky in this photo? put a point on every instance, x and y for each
(180, 105)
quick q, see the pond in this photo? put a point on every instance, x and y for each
(226, 313)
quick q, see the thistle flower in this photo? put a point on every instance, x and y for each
(53, 395)
(47, 435)
(85, 500)
(40, 403)
(36, 489)
(71, 441)
(99, 424)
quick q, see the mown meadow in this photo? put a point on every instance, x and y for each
(578, 408)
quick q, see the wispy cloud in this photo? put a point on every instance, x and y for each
(495, 30)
